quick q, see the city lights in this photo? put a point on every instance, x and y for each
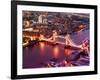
(55, 39)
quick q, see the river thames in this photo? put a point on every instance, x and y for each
(43, 54)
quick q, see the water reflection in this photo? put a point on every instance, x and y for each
(27, 50)
(38, 55)
(56, 51)
(42, 45)
(68, 52)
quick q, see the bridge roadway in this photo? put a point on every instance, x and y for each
(68, 41)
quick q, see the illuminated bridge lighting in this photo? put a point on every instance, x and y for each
(68, 40)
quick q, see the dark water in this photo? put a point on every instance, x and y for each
(36, 55)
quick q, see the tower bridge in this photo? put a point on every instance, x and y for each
(67, 40)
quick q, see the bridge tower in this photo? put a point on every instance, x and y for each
(54, 35)
(67, 41)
